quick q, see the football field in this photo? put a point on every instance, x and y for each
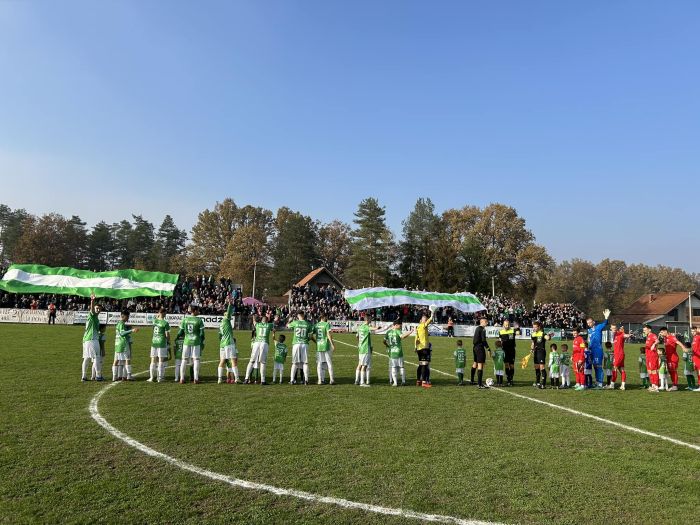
(144, 452)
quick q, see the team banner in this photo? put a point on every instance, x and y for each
(365, 298)
(117, 284)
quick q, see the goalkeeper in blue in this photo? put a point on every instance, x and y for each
(595, 343)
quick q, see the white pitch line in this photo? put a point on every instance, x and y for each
(261, 487)
(571, 410)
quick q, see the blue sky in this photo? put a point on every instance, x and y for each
(582, 115)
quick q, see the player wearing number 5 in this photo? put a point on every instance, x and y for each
(192, 327)
(261, 345)
(300, 346)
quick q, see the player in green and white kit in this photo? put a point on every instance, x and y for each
(160, 344)
(689, 368)
(192, 328)
(607, 365)
(227, 348)
(364, 350)
(392, 340)
(643, 372)
(554, 366)
(91, 340)
(260, 347)
(300, 346)
(460, 355)
(177, 351)
(280, 356)
(499, 362)
(565, 362)
(122, 349)
(324, 346)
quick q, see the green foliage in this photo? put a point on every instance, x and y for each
(372, 248)
(294, 249)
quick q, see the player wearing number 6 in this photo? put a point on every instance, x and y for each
(300, 346)
(160, 344)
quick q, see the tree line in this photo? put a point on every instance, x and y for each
(469, 248)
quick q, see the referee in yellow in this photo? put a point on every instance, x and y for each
(423, 350)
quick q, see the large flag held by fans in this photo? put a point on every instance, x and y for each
(117, 284)
(365, 298)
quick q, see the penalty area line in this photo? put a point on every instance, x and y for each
(262, 487)
(623, 426)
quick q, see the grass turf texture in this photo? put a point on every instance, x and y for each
(448, 450)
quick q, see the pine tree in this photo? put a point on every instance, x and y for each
(372, 246)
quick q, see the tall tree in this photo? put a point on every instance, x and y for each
(99, 247)
(169, 246)
(122, 255)
(214, 230)
(44, 241)
(247, 258)
(417, 249)
(334, 247)
(11, 222)
(76, 241)
(294, 249)
(372, 248)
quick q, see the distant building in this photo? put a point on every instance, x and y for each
(662, 310)
(318, 278)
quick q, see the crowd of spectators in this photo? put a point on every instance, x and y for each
(210, 294)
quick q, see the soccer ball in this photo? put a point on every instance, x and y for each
(489, 382)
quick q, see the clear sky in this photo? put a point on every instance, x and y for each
(582, 115)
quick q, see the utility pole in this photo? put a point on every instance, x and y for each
(493, 286)
(255, 267)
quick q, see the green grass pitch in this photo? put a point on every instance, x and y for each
(450, 450)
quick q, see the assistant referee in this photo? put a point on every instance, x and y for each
(481, 345)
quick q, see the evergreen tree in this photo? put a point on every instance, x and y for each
(417, 249)
(372, 248)
(294, 249)
(100, 246)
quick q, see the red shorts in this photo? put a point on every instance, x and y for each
(672, 360)
(696, 362)
(652, 361)
(619, 360)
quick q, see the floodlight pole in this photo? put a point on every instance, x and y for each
(255, 267)
(493, 286)
(690, 314)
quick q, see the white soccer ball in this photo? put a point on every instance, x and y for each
(489, 382)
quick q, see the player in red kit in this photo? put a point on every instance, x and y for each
(652, 357)
(619, 337)
(671, 356)
(696, 350)
(577, 356)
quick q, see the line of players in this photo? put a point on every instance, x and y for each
(658, 360)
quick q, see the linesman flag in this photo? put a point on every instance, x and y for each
(117, 284)
(364, 298)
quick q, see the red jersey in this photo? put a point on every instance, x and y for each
(619, 344)
(671, 342)
(578, 346)
(696, 346)
(651, 339)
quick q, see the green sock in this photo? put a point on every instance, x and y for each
(691, 381)
(460, 376)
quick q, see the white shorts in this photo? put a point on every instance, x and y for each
(228, 352)
(564, 371)
(396, 362)
(258, 352)
(608, 372)
(459, 371)
(123, 356)
(643, 375)
(91, 349)
(499, 372)
(191, 351)
(365, 360)
(300, 354)
(323, 357)
(159, 352)
(278, 366)
(553, 375)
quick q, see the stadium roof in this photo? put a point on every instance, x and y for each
(650, 307)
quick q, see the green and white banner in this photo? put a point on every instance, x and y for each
(117, 284)
(365, 298)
